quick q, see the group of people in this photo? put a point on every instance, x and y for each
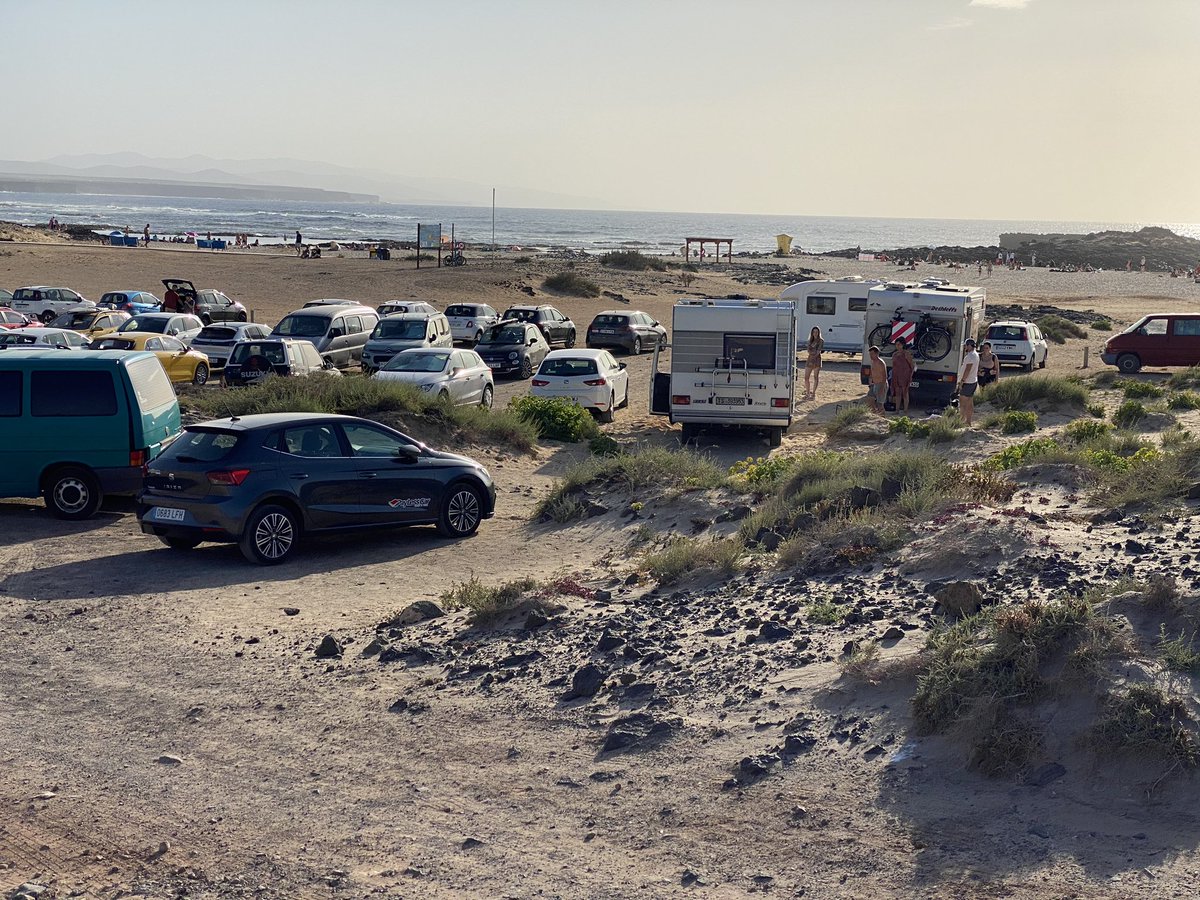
(179, 301)
(979, 368)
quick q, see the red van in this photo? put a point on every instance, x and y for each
(1160, 339)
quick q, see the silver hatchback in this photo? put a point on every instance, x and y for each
(457, 376)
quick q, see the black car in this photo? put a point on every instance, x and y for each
(555, 327)
(632, 331)
(250, 361)
(516, 348)
(265, 481)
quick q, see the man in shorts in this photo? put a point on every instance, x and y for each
(878, 387)
(968, 382)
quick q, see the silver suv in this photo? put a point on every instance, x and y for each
(404, 331)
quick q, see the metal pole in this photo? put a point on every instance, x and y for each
(418, 245)
(493, 226)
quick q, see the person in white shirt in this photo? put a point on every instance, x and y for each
(968, 381)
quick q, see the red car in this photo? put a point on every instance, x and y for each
(11, 319)
(1159, 339)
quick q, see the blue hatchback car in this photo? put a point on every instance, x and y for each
(132, 302)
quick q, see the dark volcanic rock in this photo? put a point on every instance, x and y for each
(419, 611)
(586, 681)
(773, 631)
(638, 730)
(329, 648)
(959, 599)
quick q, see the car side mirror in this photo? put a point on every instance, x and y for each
(532, 341)
(655, 323)
(173, 331)
(454, 373)
(407, 454)
(622, 367)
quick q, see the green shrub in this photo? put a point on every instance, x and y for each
(1145, 720)
(844, 418)
(632, 261)
(571, 283)
(1022, 391)
(685, 556)
(761, 471)
(947, 428)
(1139, 390)
(1096, 410)
(1188, 378)
(1177, 654)
(1104, 379)
(488, 602)
(825, 612)
(1129, 414)
(1081, 431)
(1184, 400)
(1017, 421)
(1025, 452)
(603, 445)
(1101, 325)
(1056, 329)
(555, 418)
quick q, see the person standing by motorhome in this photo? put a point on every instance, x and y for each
(989, 365)
(877, 389)
(968, 382)
(812, 363)
(902, 375)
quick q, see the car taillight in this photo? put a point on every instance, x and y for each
(681, 399)
(595, 382)
(137, 457)
(779, 402)
(539, 382)
(232, 477)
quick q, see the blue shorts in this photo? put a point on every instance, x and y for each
(967, 390)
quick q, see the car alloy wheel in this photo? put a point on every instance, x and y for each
(486, 402)
(637, 346)
(461, 512)
(270, 535)
(571, 340)
(201, 375)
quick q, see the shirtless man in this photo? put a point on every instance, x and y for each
(877, 389)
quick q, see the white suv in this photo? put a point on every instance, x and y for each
(46, 303)
(1018, 344)
(468, 321)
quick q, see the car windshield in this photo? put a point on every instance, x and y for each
(25, 293)
(112, 344)
(460, 310)
(521, 315)
(504, 335)
(298, 325)
(196, 445)
(399, 330)
(216, 333)
(567, 367)
(74, 320)
(1006, 333)
(611, 320)
(145, 323)
(273, 352)
(417, 362)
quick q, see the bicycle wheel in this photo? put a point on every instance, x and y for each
(881, 336)
(934, 344)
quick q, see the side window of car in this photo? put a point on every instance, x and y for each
(154, 344)
(316, 441)
(170, 343)
(1187, 327)
(353, 325)
(371, 442)
(1155, 328)
(340, 324)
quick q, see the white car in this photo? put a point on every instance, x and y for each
(183, 326)
(1018, 344)
(592, 378)
(46, 303)
(391, 307)
(468, 321)
(457, 376)
(62, 338)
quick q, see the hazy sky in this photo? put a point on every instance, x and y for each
(1021, 109)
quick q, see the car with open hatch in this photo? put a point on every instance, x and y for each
(591, 378)
(266, 481)
(182, 365)
(1018, 343)
(458, 376)
(515, 348)
(631, 330)
(207, 304)
(554, 325)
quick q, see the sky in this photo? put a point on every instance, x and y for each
(1075, 110)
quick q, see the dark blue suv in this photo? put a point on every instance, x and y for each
(264, 481)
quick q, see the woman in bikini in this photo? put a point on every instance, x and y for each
(812, 364)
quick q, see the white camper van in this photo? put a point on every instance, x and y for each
(838, 307)
(733, 362)
(936, 320)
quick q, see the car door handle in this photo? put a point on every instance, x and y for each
(299, 476)
(367, 474)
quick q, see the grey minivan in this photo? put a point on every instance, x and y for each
(338, 332)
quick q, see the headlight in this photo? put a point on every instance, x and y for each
(428, 387)
(513, 355)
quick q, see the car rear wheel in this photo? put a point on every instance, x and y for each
(570, 339)
(1129, 363)
(486, 401)
(461, 513)
(73, 493)
(201, 374)
(526, 368)
(775, 436)
(47, 317)
(1045, 356)
(606, 416)
(270, 535)
(180, 543)
(637, 346)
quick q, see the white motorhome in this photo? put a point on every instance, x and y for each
(733, 362)
(935, 319)
(838, 307)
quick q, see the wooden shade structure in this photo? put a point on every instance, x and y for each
(687, 247)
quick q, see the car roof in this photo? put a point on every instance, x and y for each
(329, 312)
(414, 316)
(330, 302)
(428, 351)
(1021, 322)
(39, 329)
(143, 335)
(576, 354)
(272, 420)
(617, 312)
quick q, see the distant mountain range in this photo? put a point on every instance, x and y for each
(281, 178)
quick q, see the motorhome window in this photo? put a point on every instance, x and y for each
(822, 306)
(10, 394)
(857, 304)
(72, 394)
(754, 351)
(1187, 327)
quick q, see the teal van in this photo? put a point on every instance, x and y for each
(75, 426)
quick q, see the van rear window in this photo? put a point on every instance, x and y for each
(202, 446)
(10, 394)
(150, 384)
(1006, 333)
(71, 394)
(751, 351)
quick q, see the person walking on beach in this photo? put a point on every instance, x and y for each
(812, 363)
(299, 243)
(146, 234)
(877, 389)
(968, 382)
(902, 375)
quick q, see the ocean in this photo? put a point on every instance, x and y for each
(591, 230)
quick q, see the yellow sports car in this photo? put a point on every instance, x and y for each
(182, 364)
(92, 323)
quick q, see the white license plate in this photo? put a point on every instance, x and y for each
(730, 401)
(914, 384)
(167, 514)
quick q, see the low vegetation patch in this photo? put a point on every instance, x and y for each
(1101, 325)
(490, 602)
(1134, 389)
(1178, 654)
(632, 261)
(1023, 391)
(1082, 431)
(1129, 414)
(1188, 378)
(555, 418)
(1184, 400)
(760, 472)
(825, 612)
(1145, 720)
(356, 396)
(572, 284)
(844, 418)
(1018, 421)
(1056, 329)
(685, 556)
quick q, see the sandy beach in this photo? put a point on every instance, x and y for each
(170, 732)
